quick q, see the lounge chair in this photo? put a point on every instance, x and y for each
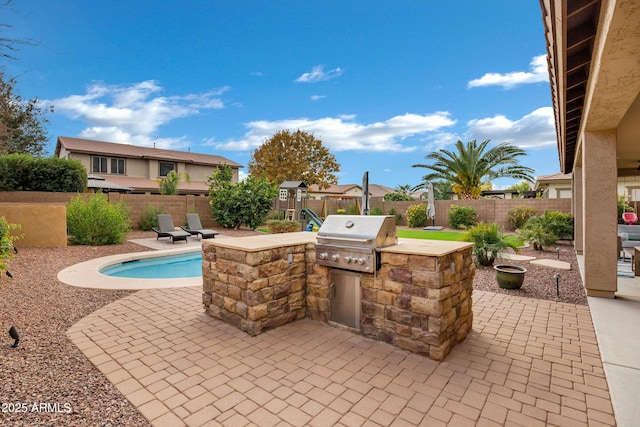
(194, 227)
(166, 229)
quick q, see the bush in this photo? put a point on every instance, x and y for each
(462, 216)
(246, 203)
(396, 197)
(6, 241)
(376, 211)
(397, 215)
(545, 230)
(283, 226)
(519, 215)
(488, 242)
(94, 221)
(150, 218)
(22, 172)
(417, 215)
(341, 211)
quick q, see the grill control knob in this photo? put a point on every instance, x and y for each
(348, 259)
(323, 255)
(334, 257)
(360, 261)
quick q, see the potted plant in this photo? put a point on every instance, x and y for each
(509, 276)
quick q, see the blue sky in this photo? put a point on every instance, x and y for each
(381, 83)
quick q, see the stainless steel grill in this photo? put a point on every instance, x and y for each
(351, 242)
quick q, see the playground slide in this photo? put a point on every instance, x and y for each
(312, 217)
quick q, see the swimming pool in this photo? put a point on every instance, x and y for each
(166, 267)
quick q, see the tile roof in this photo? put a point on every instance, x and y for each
(153, 185)
(553, 177)
(78, 145)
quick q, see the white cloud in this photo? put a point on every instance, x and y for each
(538, 73)
(133, 113)
(344, 133)
(317, 97)
(317, 74)
(532, 131)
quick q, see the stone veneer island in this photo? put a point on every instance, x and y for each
(419, 300)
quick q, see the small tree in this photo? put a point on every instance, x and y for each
(245, 203)
(293, 156)
(519, 215)
(169, 184)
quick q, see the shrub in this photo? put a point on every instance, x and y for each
(6, 241)
(22, 172)
(282, 226)
(488, 242)
(417, 215)
(376, 211)
(150, 218)
(519, 215)
(341, 211)
(248, 202)
(545, 230)
(396, 197)
(462, 216)
(560, 224)
(95, 221)
(396, 214)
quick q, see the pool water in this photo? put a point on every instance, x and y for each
(169, 267)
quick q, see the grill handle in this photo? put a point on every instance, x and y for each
(346, 239)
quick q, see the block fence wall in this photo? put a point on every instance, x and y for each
(489, 210)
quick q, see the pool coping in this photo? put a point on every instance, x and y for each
(87, 274)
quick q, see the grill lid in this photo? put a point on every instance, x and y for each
(364, 231)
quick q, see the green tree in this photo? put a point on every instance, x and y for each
(294, 156)
(403, 189)
(471, 169)
(245, 203)
(22, 122)
(395, 197)
(521, 187)
(169, 184)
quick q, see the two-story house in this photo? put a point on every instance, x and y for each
(141, 168)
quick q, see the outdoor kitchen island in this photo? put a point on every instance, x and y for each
(417, 296)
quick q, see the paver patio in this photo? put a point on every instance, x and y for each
(526, 362)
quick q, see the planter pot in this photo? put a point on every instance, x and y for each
(509, 276)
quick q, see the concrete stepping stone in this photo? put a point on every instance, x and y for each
(553, 263)
(516, 257)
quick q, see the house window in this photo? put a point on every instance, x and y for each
(117, 166)
(99, 164)
(166, 167)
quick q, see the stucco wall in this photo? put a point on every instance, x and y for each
(42, 225)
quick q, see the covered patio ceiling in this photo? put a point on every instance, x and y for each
(593, 51)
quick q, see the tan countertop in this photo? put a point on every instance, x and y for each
(271, 241)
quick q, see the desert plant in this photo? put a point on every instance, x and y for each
(560, 224)
(519, 215)
(395, 197)
(6, 241)
(462, 216)
(417, 215)
(488, 241)
(282, 226)
(150, 218)
(169, 184)
(95, 221)
(539, 231)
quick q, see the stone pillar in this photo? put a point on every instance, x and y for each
(578, 219)
(599, 208)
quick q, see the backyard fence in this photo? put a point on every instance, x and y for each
(489, 210)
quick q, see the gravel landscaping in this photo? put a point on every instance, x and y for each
(46, 380)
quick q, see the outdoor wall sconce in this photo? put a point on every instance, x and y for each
(13, 333)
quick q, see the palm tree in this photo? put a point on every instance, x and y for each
(403, 189)
(472, 168)
(169, 184)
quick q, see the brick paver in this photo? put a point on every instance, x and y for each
(526, 362)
